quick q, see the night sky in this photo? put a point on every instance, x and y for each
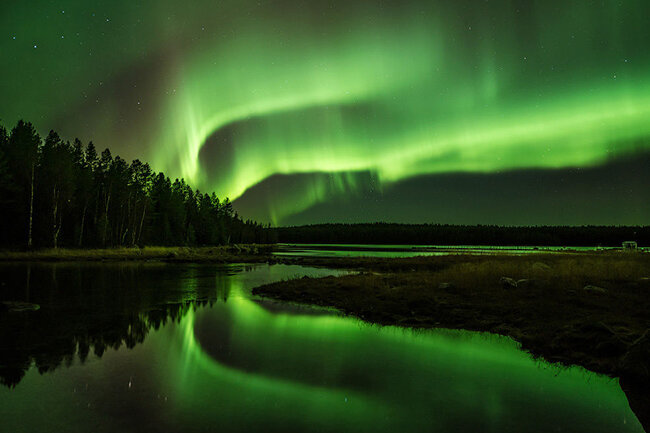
(463, 111)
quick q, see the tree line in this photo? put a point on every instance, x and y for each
(443, 234)
(55, 193)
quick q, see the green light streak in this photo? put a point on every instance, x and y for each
(396, 99)
(397, 89)
(261, 76)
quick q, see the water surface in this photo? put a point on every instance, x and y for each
(154, 347)
(390, 250)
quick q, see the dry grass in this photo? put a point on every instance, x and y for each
(572, 272)
(182, 254)
(551, 315)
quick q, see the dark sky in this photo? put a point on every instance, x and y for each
(465, 111)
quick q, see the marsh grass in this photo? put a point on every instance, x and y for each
(570, 271)
(250, 252)
(550, 314)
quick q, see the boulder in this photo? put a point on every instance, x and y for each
(540, 267)
(508, 283)
(594, 289)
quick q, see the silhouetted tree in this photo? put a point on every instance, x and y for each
(57, 193)
(443, 234)
(22, 158)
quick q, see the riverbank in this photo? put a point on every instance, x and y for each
(590, 310)
(250, 253)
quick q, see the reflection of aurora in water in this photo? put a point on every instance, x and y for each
(285, 366)
(242, 364)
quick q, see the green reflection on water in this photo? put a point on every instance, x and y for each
(330, 372)
(243, 364)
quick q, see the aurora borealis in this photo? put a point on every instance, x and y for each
(316, 103)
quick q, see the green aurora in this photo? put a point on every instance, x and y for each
(228, 94)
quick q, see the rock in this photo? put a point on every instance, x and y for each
(445, 286)
(541, 267)
(508, 283)
(594, 289)
(19, 307)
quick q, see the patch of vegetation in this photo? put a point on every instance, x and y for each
(220, 254)
(544, 304)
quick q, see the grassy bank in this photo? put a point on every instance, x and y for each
(591, 310)
(219, 254)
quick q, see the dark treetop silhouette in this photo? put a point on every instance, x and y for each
(56, 193)
(445, 234)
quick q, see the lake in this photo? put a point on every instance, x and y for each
(151, 347)
(372, 250)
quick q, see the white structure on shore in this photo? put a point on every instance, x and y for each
(629, 245)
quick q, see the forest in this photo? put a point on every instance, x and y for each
(443, 234)
(54, 193)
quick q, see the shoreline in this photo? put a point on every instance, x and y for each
(251, 253)
(587, 309)
(264, 253)
(600, 301)
(600, 298)
(590, 310)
